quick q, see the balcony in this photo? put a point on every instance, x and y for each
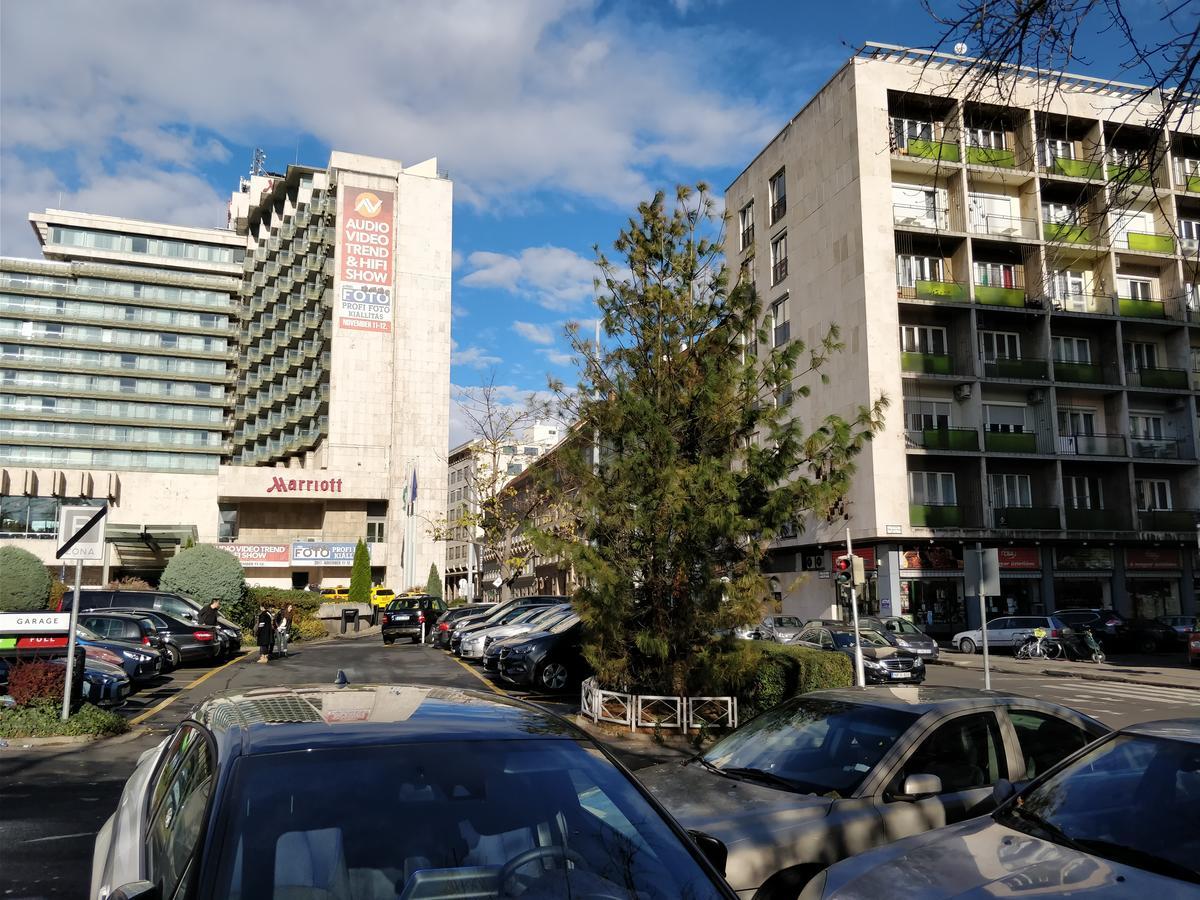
(934, 218)
(1076, 168)
(938, 291)
(1067, 233)
(747, 238)
(1004, 226)
(1129, 174)
(1027, 368)
(1186, 182)
(991, 295)
(1096, 304)
(926, 363)
(965, 439)
(1092, 445)
(779, 271)
(1154, 448)
(1168, 519)
(782, 333)
(943, 151)
(988, 156)
(1010, 442)
(778, 208)
(1137, 308)
(1095, 519)
(1040, 517)
(931, 516)
(1172, 379)
(1148, 243)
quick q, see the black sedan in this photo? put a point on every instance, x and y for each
(297, 792)
(445, 623)
(185, 640)
(547, 660)
(135, 628)
(141, 663)
(410, 617)
(883, 661)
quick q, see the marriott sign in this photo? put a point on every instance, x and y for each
(305, 486)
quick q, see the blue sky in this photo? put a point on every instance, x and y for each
(553, 117)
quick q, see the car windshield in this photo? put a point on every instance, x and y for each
(453, 819)
(867, 638)
(563, 624)
(1132, 799)
(824, 747)
(788, 622)
(903, 626)
(407, 603)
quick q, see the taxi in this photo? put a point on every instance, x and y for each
(382, 596)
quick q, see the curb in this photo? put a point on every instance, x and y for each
(72, 740)
(1085, 676)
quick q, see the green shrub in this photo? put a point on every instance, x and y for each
(308, 628)
(42, 720)
(763, 674)
(204, 572)
(25, 585)
(278, 598)
(130, 583)
(36, 681)
(360, 575)
(433, 585)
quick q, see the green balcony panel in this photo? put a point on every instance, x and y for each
(1045, 518)
(926, 363)
(1083, 373)
(950, 439)
(999, 296)
(1152, 243)
(934, 516)
(1016, 368)
(1192, 183)
(1096, 520)
(1163, 378)
(1067, 233)
(986, 156)
(1078, 168)
(1141, 309)
(941, 290)
(942, 150)
(1129, 175)
(1167, 520)
(1006, 442)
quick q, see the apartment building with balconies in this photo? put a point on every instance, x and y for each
(1030, 305)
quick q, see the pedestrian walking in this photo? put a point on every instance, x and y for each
(264, 633)
(208, 615)
(283, 628)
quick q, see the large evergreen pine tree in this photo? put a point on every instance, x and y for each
(360, 575)
(433, 585)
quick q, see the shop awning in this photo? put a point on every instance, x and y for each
(146, 546)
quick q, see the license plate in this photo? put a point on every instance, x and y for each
(401, 618)
(924, 651)
(902, 674)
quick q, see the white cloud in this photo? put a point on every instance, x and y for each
(534, 333)
(554, 277)
(506, 395)
(559, 357)
(474, 357)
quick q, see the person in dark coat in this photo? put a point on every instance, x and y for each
(208, 615)
(264, 633)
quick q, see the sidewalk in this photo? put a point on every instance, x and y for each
(1144, 671)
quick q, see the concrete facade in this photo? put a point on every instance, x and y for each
(1005, 270)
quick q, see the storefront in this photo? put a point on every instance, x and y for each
(1152, 576)
(868, 596)
(931, 588)
(1083, 576)
(1020, 583)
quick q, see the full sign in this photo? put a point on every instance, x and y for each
(81, 533)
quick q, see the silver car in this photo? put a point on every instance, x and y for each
(833, 773)
(781, 629)
(1119, 820)
(476, 642)
(1009, 632)
(906, 635)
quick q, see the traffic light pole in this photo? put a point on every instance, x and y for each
(860, 677)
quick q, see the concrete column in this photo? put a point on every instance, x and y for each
(887, 579)
(1187, 587)
(1120, 594)
(104, 570)
(1048, 598)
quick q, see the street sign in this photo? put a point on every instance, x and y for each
(81, 530)
(34, 623)
(982, 571)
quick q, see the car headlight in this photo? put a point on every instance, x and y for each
(872, 664)
(918, 662)
(521, 649)
(901, 642)
(134, 655)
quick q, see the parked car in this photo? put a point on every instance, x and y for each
(1009, 632)
(141, 663)
(104, 683)
(445, 622)
(541, 622)
(883, 662)
(228, 635)
(1181, 625)
(496, 797)
(834, 772)
(132, 627)
(905, 634)
(1117, 632)
(497, 615)
(549, 660)
(780, 629)
(1117, 820)
(474, 642)
(1193, 648)
(381, 597)
(335, 594)
(404, 617)
(186, 641)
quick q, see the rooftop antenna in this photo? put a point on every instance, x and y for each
(257, 164)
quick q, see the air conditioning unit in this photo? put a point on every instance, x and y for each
(962, 391)
(1037, 395)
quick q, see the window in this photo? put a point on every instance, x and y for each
(1083, 492)
(1140, 356)
(1135, 288)
(777, 190)
(905, 130)
(1126, 221)
(1072, 350)
(1045, 740)
(910, 269)
(514, 468)
(376, 531)
(916, 204)
(782, 331)
(1069, 284)
(779, 268)
(924, 415)
(746, 225)
(177, 815)
(996, 274)
(994, 345)
(1010, 490)
(966, 753)
(1061, 213)
(932, 488)
(1152, 493)
(1005, 418)
(1189, 232)
(509, 450)
(532, 451)
(993, 213)
(987, 138)
(1147, 426)
(228, 526)
(1050, 149)
(923, 339)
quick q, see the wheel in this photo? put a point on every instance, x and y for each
(966, 645)
(389, 641)
(415, 639)
(1054, 650)
(1023, 652)
(1146, 644)
(553, 676)
(1097, 657)
(174, 657)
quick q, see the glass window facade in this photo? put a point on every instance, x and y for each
(117, 409)
(108, 384)
(91, 239)
(36, 517)
(107, 434)
(60, 356)
(43, 307)
(85, 458)
(95, 334)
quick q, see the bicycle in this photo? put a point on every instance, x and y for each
(1038, 645)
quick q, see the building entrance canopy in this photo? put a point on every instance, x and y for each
(147, 546)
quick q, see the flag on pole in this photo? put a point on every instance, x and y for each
(412, 495)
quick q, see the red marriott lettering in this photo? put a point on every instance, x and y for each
(302, 485)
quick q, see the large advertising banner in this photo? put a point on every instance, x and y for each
(322, 553)
(260, 556)
(367, 242)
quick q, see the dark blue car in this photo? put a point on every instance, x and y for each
(141, 663)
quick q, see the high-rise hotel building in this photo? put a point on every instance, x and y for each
(1017, 273)
(280, 386)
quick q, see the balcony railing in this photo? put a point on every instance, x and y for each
(1026, 367)
(1080, 373)
(949, 438)
(783, 333)
(944, 151)
(1129, 174)
(1067, 233)
(1004, 226)
(1075, 168)
(934, 516)
(1154, 448)
(1101, 304)
(938, 291)
(1138, 308)
(1168, 519)
(991, 295)
(779, 271)
(1010, 442)
(1041, 517)
(926, 363)
(1187, 182)
(1147, 243)
(778, 208)
(935, 218)
(1174, 379)
(747, 238)
(988, 156)
(1096, 519)
(1092, 445)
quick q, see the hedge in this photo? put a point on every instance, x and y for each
(204, 573)
(25, 585)
(278, 598)
(42, 720)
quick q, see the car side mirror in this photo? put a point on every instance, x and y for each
(713, 850)
(917, 787)
(1002, 791)
(136, 890)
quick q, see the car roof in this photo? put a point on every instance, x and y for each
(1172, 729)
(279, 719)
(923, 699)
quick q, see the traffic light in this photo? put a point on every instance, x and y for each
(843, 568)
(859, 570)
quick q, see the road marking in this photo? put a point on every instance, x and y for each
(1133, 692)
(138, 720)
(59, 837)
(486, 681)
